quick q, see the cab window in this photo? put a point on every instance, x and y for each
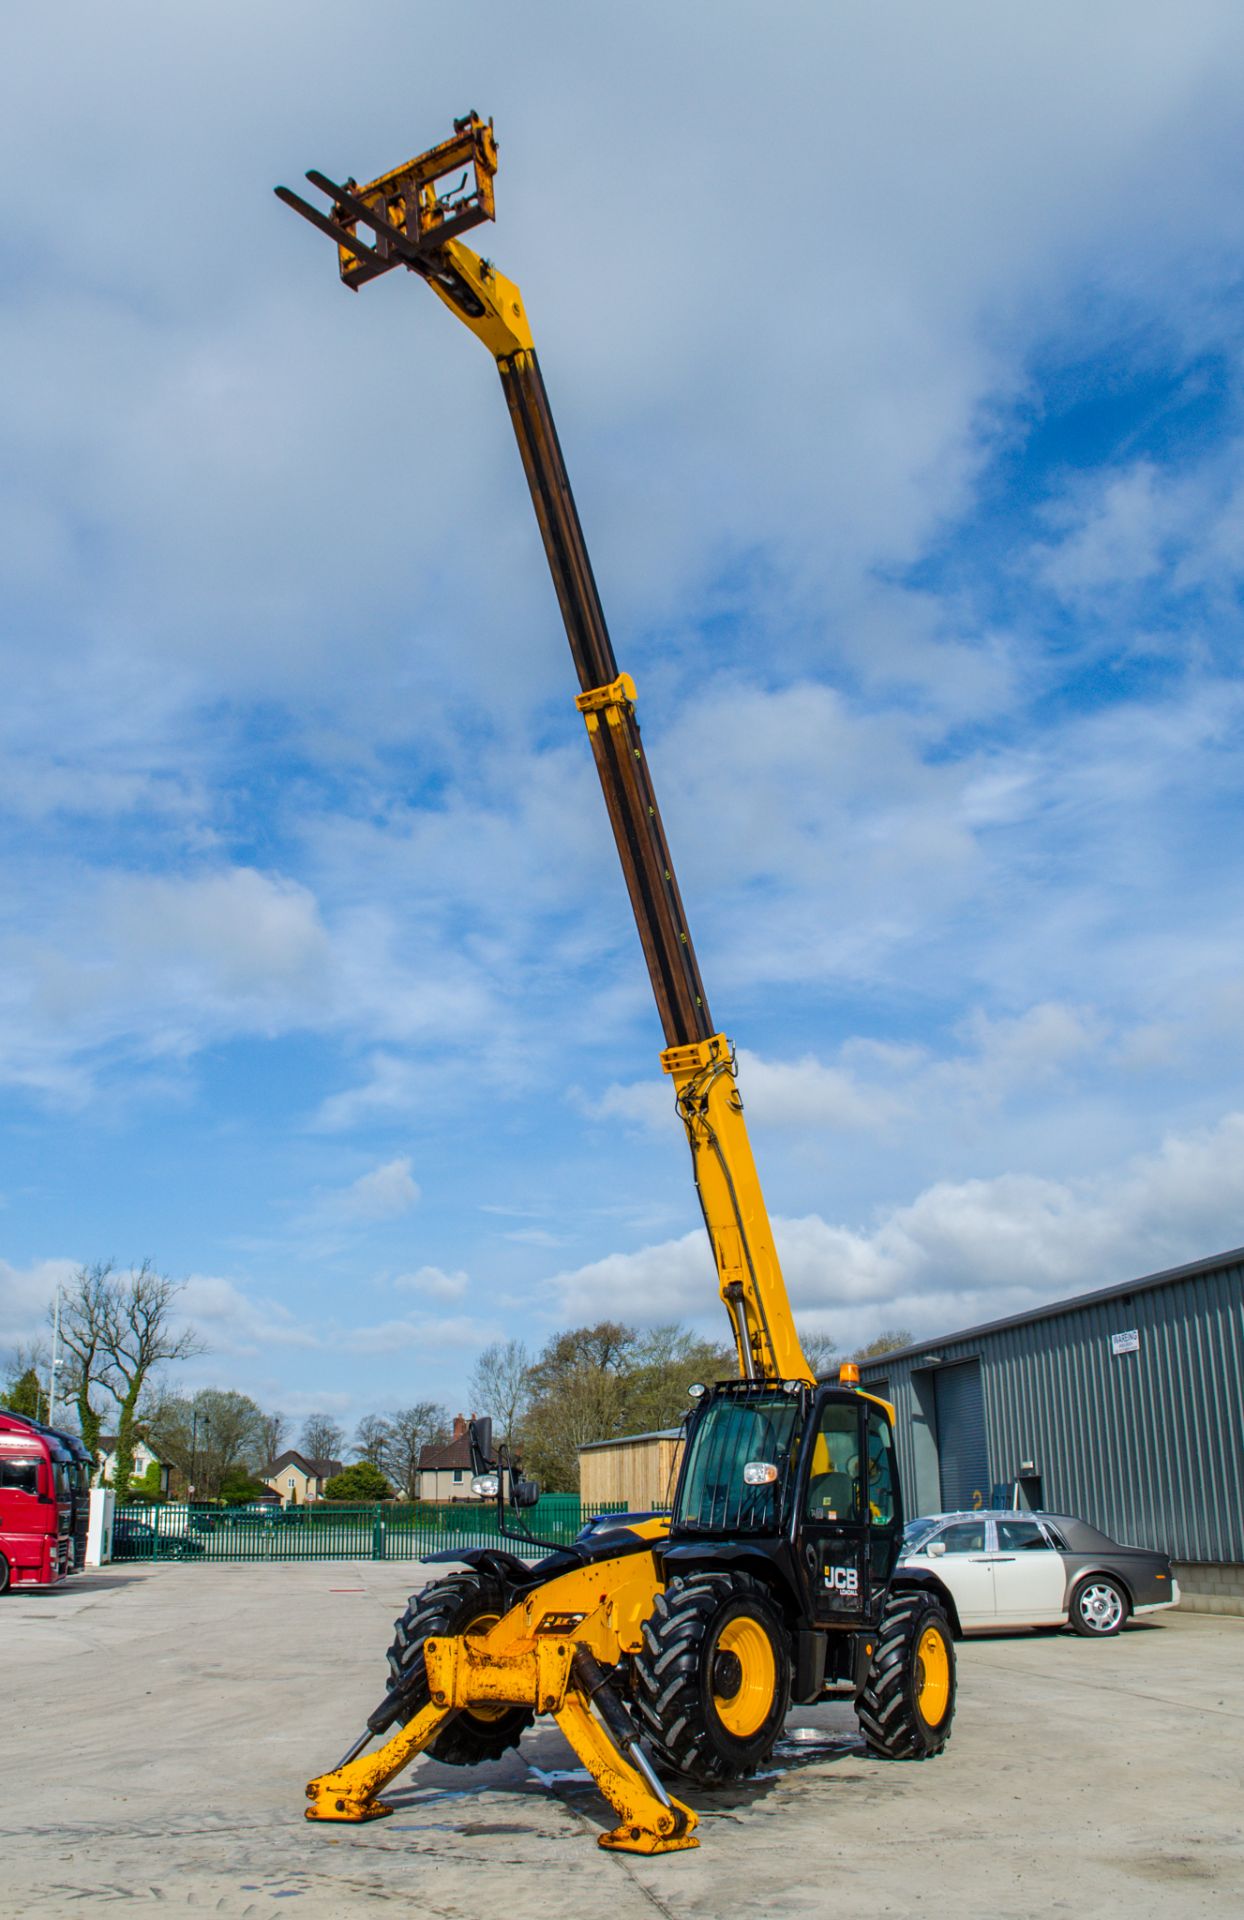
(880, 1470)
(19, 1476)
(968, 1536)
(1021, 1536)
(834, 1473)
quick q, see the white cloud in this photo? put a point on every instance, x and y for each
(385, 1193)
(158, 965)
(962, 1251)
(1119, 538)
(432, 1283)
(417, 1333)
(1140, 527)
(232, 1321)
(26, 1295)
(802, 1093)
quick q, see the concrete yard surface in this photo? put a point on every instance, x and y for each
(161, 1722)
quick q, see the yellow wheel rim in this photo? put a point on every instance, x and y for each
(744, 1709)
(933, 1676)
(479, 1626)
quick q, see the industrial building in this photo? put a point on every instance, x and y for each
(1125, 1406)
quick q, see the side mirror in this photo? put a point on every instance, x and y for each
(525, 1493)
(934, 1548)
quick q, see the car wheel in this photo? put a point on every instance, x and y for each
(1099, 1608)
(4, 1574)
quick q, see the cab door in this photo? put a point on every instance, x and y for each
(833, 1520)
(27, 1511)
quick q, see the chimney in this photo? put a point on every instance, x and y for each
(460, 1426)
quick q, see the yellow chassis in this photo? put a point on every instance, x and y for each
(527, 1659)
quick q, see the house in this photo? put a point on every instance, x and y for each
(445, 1469)
(297, 1479)
(143, 1458)
(637, 1469)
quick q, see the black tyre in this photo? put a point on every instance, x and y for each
(712, 1681)
(456, 1605)
(1099, 1607)
(908, 1700)
(5, 1575)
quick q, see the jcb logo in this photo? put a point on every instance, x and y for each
(844, 1581)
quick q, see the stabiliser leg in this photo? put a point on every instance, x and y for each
(565, 1680)
(349, 1791)
(599, 1729)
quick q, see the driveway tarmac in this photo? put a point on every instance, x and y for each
(161, 1722)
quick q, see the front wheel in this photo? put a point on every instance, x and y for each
(1098, 1608)
(465, 1603)
(908, 1701)
(5, 1575)
(712, 1679)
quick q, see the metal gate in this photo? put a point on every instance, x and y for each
(962, 1452)
(326, 1531)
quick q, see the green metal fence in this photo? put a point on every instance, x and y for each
(326, 1531)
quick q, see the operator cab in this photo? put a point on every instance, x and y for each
(806, 1477)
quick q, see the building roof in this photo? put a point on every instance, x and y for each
(440, 1454)
(108, 1444)
(877, 1368)
(632, 1439)
(318, 1469)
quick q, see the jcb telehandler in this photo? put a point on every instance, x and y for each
(661, 1644)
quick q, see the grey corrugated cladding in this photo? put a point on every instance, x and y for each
(1148, 1445)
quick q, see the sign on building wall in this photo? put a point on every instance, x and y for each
(1128, 1342)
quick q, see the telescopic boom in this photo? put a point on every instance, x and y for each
(412, 217)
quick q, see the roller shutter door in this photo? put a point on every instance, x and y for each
(962, 1455)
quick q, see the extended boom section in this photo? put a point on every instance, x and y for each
(412, 219)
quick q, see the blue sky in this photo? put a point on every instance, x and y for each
(896, 354)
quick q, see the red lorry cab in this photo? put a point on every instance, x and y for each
(36, 1505)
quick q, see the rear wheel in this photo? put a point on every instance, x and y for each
(1098, 1608)
(5, 1575)
(908, 1700)
(712, 1680)
(465, 1603)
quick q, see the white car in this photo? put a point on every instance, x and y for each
(1034, 1570)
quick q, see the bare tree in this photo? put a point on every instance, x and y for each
(136, 1334)
(321, 1437)
(411, 1429)
(82, 1330)
(275, 1428)
(371, 1439)
(819, 1350)
(501, 1387)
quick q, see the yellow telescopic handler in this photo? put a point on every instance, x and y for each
(674, 1644)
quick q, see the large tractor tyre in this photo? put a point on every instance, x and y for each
(464, 1603)
(908, 1701)
(712, 1680)
(1099, 1608)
